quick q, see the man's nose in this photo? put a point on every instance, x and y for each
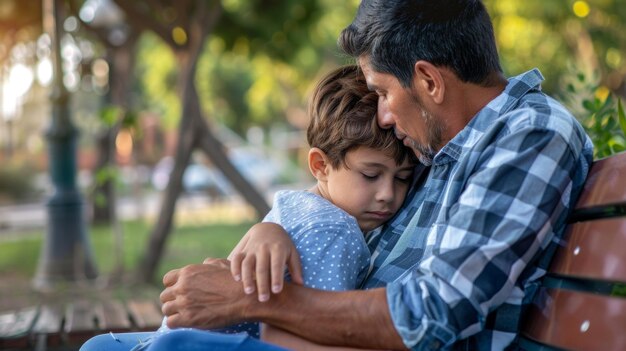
(384, 116)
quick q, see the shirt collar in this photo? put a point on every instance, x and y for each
(516, 88)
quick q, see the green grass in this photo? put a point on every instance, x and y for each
(186, 244)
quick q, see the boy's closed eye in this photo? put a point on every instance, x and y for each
(370, 177)
(404, 179)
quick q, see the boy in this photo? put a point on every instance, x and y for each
(363, 174)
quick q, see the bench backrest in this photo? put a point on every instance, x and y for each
(582, 301)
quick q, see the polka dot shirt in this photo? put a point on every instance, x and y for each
(332, 248)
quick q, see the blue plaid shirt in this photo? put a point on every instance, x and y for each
(464, 256)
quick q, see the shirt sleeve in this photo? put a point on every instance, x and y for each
(334, 255)
(518, 193)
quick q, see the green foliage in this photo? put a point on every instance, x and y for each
(188, 244)
(16, 183)
(601, 114)
(156, 69)
(111, 115)
(101, 177)
(257, 65)
(551, 35)
(618, 290)
(223, 79)
(603, 126)
(621, 116)
(276, 27)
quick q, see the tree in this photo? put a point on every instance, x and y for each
(185, 26)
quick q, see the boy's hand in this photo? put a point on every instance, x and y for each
(261, 255)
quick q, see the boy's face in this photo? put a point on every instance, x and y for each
(371, 186)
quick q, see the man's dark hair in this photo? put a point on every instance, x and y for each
(394, 34)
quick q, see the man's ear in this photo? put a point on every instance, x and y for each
(318, 164)
(428, 78)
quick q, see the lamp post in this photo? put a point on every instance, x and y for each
(66, 254)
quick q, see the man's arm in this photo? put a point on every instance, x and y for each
(290, 341)
(205, 296)
(350, 318)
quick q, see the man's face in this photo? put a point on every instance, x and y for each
(401, 109)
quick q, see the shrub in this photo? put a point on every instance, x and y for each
(600, 113)
(16, 184)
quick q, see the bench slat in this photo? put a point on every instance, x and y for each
(577, 321)
(145, 314)
(575, 309)
(80, 322)
(606, 183)
(48, 327)
(113, 317)
(594, 250)
(15, 326)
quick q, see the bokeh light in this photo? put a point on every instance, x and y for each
(20, 79)
(613, 58)
(581, 9)
(179, 35)
(124, 143)
(44, 71)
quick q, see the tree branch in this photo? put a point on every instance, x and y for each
(183, 10)
(146, 21)
(205, 18)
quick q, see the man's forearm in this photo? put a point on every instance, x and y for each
(290, 341)
(350, 318)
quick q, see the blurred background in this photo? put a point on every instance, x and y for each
(186, 116)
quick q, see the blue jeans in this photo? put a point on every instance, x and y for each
(178, 340)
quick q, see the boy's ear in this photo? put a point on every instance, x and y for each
(430, 80)
(318, 164)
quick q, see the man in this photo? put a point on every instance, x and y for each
(458, 263)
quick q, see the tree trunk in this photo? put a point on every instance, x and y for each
(187, 136)
(214, 149)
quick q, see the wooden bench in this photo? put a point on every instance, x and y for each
(50, 327)
(582, 301)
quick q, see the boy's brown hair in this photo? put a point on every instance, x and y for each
(343, 118)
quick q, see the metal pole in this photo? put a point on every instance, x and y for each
(66, 254)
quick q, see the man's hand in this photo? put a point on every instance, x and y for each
(261, 256)
(203, 296)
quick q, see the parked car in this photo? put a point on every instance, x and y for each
(198, 177)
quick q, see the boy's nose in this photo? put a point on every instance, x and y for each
(385, 193)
